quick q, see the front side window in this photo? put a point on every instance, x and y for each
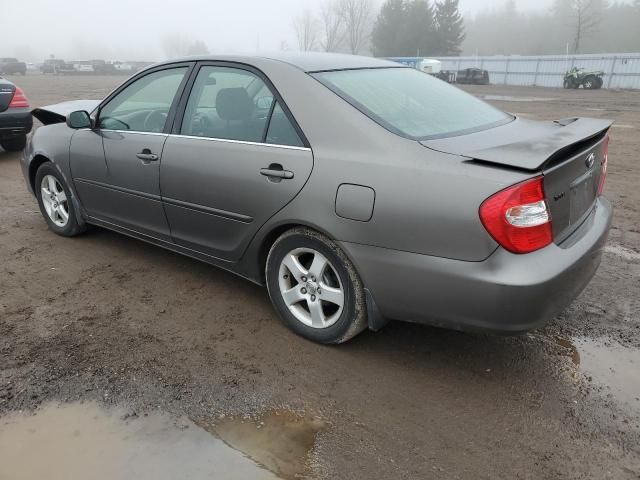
(144, 105)
(411, 103)
(235, 104)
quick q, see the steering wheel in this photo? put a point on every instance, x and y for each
(155, 121)
(117, 124)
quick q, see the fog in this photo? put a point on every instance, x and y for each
(149, 29)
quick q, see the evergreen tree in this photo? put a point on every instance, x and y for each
(418, 37)
(404, 28)
(387, 31)
(449, 28)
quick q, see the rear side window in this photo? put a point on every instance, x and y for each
(281, 131)
(235, 104)
(411, 103)
(227, 103)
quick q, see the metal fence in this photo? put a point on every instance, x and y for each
(621, 70)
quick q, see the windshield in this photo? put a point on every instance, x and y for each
(411, 103)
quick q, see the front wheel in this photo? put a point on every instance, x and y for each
(590, 83)
(56, 202)
(315, 288)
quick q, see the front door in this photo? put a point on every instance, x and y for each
(119, 183)
(235, 160)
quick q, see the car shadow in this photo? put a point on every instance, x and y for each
(484, 354)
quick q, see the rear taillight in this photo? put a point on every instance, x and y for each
(19, 100)
(518, 217)
(605, 165)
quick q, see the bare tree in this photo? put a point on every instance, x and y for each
(586, 17)
(306, 27)
(332, 26)
(357, 16)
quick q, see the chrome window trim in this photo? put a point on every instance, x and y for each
(241, 142)
(209, 139)
(108, 130)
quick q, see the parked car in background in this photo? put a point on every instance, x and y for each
(83, 66)
(356, 189)
(472, 76)
(54, 66)
(12, 66)
(101, 67)
(15, 117)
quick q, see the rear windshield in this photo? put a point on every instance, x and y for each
(411, 103)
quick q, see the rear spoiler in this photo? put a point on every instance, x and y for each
(58, 113)
(525, 144)
(536, 153)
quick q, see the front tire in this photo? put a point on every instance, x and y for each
(56, 202)
(14, 144)
(590, 83)
(315, 288)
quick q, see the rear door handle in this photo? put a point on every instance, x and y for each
(146, 156)
(276, 172)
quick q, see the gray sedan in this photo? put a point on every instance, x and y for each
(357, 190)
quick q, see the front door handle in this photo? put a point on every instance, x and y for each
(146, 156)
(276, 173)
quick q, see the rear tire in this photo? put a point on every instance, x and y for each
(14, 144)
(56, 202)
(315, 288)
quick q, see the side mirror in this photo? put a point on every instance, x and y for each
(79, 119)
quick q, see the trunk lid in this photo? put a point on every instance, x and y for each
(569, 153)
(6, 94)
(571, 185)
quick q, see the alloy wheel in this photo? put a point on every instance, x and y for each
(55, 200)
(311, 288)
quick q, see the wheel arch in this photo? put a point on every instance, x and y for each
(40, 159)
(375, 320)
(35, 164)
(267, 240)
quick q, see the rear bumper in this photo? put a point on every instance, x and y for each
(506, 293)
(15, 122)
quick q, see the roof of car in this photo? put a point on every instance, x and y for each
(308, 61)
(316, 61)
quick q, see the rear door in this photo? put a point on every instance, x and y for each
(116, 166)
(236, 157)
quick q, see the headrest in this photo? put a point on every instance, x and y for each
(234, 104)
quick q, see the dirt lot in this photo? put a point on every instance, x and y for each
(115, 322)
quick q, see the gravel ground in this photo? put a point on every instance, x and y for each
(108, 319)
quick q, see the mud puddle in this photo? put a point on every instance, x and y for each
(278, 440)
(608, 364)
(80, 441)
(613, 366)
